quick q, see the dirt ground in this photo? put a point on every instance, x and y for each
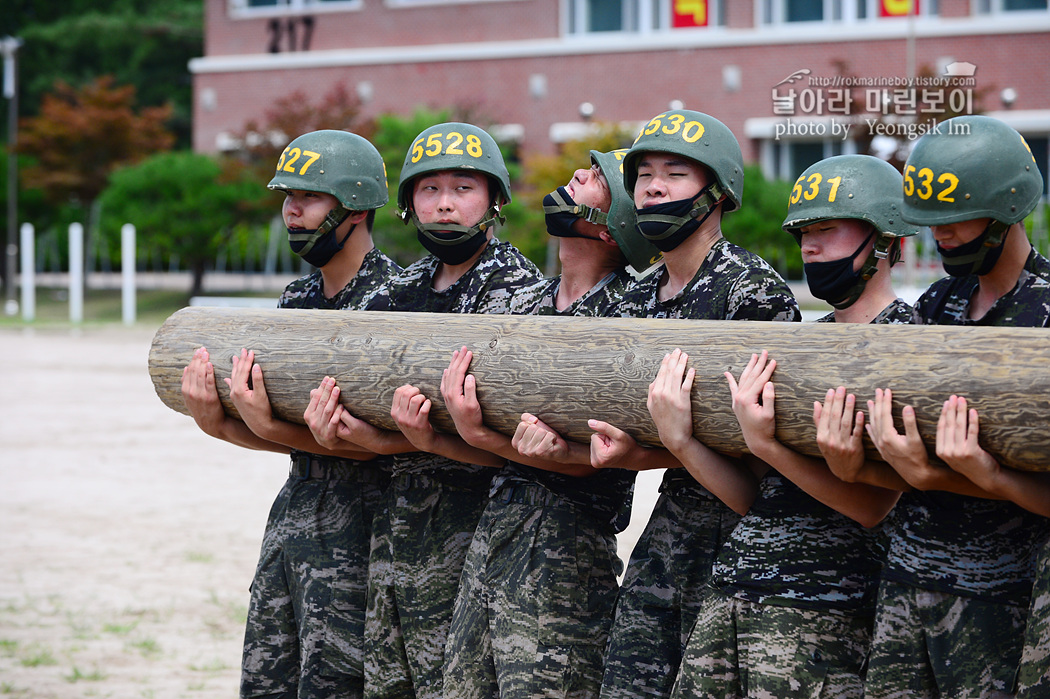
(127, 537)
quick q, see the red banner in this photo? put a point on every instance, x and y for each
(898, 8)
(689, 13)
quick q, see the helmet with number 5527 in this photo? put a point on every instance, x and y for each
(339, 163)
(971, 167)
(452, 146)
(699, 137)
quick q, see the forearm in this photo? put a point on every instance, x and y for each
(933, 477)
(727, 479)
(1027, 489)
(236, 432)
(455, 448)
(299, 437)
(866, 504)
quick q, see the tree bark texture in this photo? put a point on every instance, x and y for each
(567, 370)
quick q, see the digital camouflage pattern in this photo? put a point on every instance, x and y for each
(791, 550)
(1033, 679)
(672, 560)
(305, 631)
(660, 594)
(958, 572)
(897, 313)
(536, 600)
(419, 544)
(538, 589)
(485, 288)
(757, 651)
(930, 644)
(308, 291)
(433, 505)
(306, 617)
(601, 300)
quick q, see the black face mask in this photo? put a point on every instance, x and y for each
(561, 213)
(833, 281)
(451, 247)
(977, 256)
(316, 247)
(668, 225)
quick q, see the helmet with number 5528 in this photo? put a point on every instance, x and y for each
(971, 167)
(452, 146)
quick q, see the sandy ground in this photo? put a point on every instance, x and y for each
(127, 537)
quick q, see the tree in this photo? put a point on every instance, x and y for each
(185, 204)
(81, 136)
(756, 224)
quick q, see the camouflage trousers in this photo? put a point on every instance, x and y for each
(1034, 675)
(419, 544)
(306, 617)
(661, 591)
(762, 651)
(535, 602)
(935, 644)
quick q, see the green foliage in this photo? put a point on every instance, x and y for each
(756, 225)
(183, 204)
(148, 47)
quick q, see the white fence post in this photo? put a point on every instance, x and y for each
(76, 272)
(127, 273)
(26, 233)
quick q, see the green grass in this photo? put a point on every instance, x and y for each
(77, 675)
(37, 656)
(101, 307)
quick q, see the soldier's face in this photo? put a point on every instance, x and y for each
(666, 177)
(306, 210)
(952, 235)
(459, 197)
(835, 239)
(590, 188)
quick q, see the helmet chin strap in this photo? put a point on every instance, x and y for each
(587, 213)
(490, 219)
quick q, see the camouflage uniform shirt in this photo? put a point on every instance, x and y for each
(606, 494)
(953, 543)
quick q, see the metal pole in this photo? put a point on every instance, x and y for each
(28, 272)
(9, 46)
(127, 273)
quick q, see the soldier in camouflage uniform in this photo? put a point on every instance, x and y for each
(684, 170)
(452, 186)
(790, 602)
(305, 630)
(537, 594)
(958, 576)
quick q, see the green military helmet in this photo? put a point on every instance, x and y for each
(622, 219)
(699, 137)
(971, 167)
(339, 163)
(452, 146)
(850, 186)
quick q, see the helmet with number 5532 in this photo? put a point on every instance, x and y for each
(971, 167)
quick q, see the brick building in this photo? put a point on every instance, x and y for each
(541, 70)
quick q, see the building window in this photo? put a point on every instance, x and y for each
(786, 11)
(255, 8)
(643, 16)
(994, 6)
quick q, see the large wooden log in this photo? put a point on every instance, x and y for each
(566, 370)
